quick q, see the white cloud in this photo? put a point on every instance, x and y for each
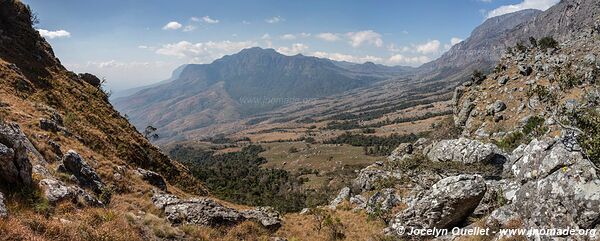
(288, 37)
(368, 36)
(266, 36)
(143, 47)
(245, 22)
(275, 19)
(203, 52)
(172, 26)
(526, 4)
(330, 37)
(429, 47)
(189, 28)
(293, 50)
(455, 40)
(486, 1)
(194, 19)
(393, 48)
(209, 20)
(54, 34)
(399, 59)
(347, 57)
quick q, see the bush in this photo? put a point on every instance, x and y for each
(589, 122)
(547, 42)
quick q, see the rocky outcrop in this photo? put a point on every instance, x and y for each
(15, 166)
(3, 210)
(91, 79)
(153, 178)
(56, 191)
(74, 164)
(342, 196)
(369, 177)
(448, 203)
(383, 200)
(466, 151)
(403, 150)
(205, 211)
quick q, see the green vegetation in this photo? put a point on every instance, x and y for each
(533, 128)
(238, 177)
(373, 145)
(547, 42)
(589, 123)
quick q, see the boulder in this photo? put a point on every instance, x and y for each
(466, 151)
(15, 167)
(91, 79)
(503, 80)
(359, 201)
(540, 158)
(49, 125)
(525, 70)
(205, 211)
(401, 152)
(447, 204)
(369, 177)
(56, 191)
(153, 178)
(267, 216)
(342, 196)
(86, 176)
(3, 210)
(495, 107)
(12, 137)
(461, 118)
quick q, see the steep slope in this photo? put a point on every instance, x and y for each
(252, 81)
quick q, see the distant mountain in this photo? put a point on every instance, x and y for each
(252, 81)
(128, 92)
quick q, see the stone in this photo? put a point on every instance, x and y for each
(343, 195)
(590, 58)
(15, 167)
(3, 210)
(496, 107)
(466, 151)
(304, 211)
(369, 177)
(461, 118)
(91, 79)
(206, 211)
(402, 151)
(447, 204)
(383, 200)
(503, 80)
(525, 70)
(12, 137)
(49, 125)
(359, 201)
(86, 176)
(153, 178)
(56, 191)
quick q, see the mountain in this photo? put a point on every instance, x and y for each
(252, 81)
(128, 92)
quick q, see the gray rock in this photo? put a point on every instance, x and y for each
(267, 216)
(54, 190)
(86, 176)
(590, 58)
(503, 80)
(48, 125)
(3, 210)
(15, 167)
(497, 107)
(304, 211)
(461, 118)
(525, 70)
(369, 177)
(402, 151)
(465, 150)
(448, 203)
(343, 195)
(359, 201)
(540, 158)
(205, 211)
(91, 79)
(153, 178)
(384, 200)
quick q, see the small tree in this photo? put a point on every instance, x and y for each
(150, 133)
(547, 43)
(533, 41)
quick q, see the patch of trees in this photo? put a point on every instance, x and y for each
(238, 177)
(374, 145)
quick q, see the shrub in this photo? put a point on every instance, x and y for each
(589, 123)
(547, 42)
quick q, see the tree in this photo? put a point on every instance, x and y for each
(533, 41)
(150, 133)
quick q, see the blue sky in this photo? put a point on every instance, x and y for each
(139, 42)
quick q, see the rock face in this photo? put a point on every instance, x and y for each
(153, 178)
(384, 200)
(15, 166)
(56, 191)
(3, 211)
(448, 203)
(567, 183)
(205, 211)
(86, 176)
(91, 79)
(464, 150)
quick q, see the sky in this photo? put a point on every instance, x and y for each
(134, 43)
